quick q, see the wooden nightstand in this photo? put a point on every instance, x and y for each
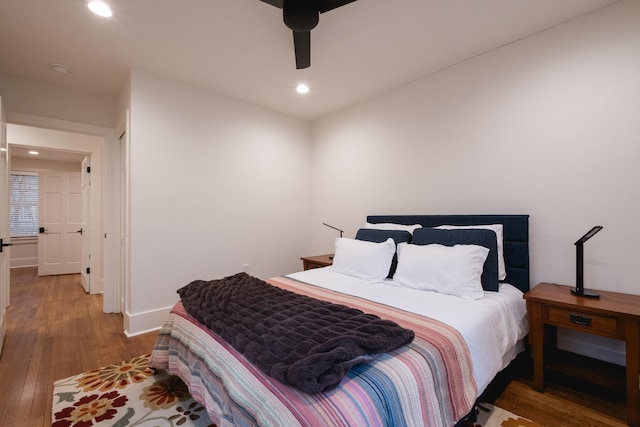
(613, 315)
(317, 261)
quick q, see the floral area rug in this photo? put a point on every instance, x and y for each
(130, 393)
(125, 394)
(492, 416)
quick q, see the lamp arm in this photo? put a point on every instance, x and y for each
(335, 228)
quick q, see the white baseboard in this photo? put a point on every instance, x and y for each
(23, 262)
(601, 348)
(141, 323)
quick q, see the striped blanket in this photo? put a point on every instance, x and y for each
(426, 383)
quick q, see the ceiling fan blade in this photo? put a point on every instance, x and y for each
(276, 3)
(302, 46)
(327, 5)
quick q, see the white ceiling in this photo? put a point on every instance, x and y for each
(243, 49)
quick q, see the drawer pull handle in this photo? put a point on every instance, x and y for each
(580, 320)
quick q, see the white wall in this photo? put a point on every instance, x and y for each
(547, 126)
(216, 183)
(22, 95)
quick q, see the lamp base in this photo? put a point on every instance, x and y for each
(585, 293)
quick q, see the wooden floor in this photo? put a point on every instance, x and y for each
(55, 330)
(565, 402)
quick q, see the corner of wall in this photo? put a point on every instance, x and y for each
(141, 323)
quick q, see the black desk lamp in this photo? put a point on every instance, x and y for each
(580, 290)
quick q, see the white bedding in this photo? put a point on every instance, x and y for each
(493, 326)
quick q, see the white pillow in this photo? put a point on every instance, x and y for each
(452, 270)
(496, 228)
(391, 226)
(366, 260)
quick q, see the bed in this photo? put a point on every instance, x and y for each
(461, 341)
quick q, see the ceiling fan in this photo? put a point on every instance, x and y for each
(302, 16)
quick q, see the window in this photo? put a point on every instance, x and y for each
(23, 218)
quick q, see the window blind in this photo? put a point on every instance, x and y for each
(23, 218)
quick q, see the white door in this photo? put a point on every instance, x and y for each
(85, 233)
(60, 221)
(4, 227)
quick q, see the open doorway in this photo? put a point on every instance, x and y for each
(105, 258)
(64, 143)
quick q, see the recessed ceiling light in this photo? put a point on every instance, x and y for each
(60, 68)
(302, 88)
(34, 153)
(100, 8)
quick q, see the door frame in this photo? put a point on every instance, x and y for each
(5, 168)
(85, 232)
(102, 192)
(122, 202)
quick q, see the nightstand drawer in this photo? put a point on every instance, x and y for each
(317, 261)
(308, 265)
(589, 322)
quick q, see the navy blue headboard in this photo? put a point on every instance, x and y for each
(515, 237)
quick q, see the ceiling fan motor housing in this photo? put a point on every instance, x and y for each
(301, 19)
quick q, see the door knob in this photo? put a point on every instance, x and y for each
(2, 244)
(79, 231)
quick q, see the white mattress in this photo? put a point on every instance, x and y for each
(493, 326)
